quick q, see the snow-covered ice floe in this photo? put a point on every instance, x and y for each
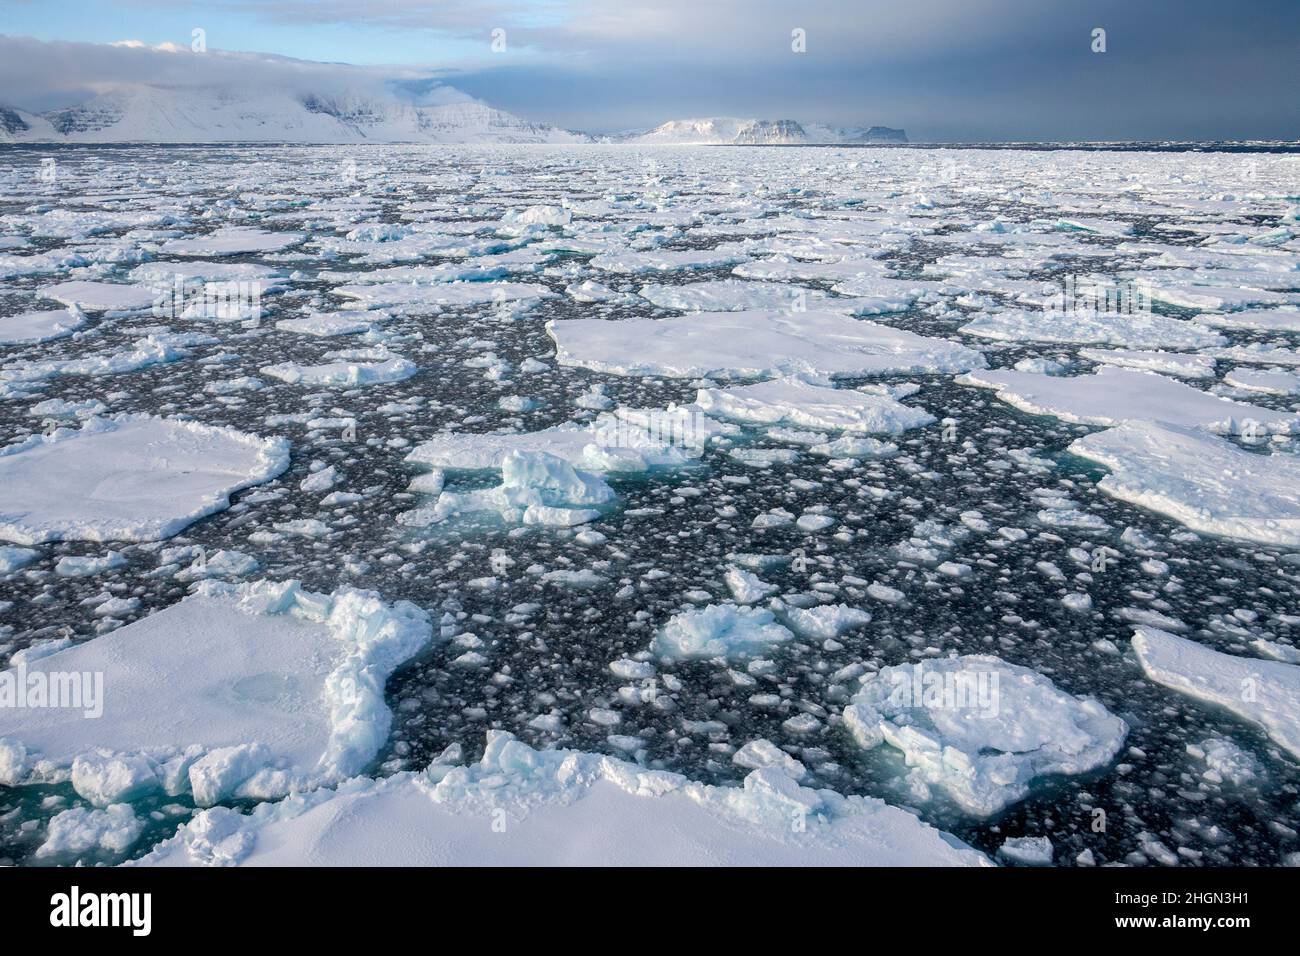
(809, 402)
(1202, 481)
(563, 807)
(232, 241)
(253, 691)
(1131, 330)
(345, 373)
(30, 328)
(753, 345)
(1114, 395)
(981, 730)
(1265, 693)
(627, 439)
(100, 296)
(131, 478)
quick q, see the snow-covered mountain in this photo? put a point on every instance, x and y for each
(228, 114)
(156, 114)
(732, 131)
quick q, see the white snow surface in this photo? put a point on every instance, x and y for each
(563, 807)
(1200, 480)
(254, 690)
(130, 478)
(1264, 693)
(737, 345)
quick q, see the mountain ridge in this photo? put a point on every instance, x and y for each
(144, 113)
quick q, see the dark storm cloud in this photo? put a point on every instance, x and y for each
(944, 69)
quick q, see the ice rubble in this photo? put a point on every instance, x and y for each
(1114, 395)
(1130, 330)
(719, 630)
(131, 478)
(753, 345)
(627, 439)
(810, 402)
(536, 488)
(1265, 693)
(31, 328)
(255, 691)
(981, 730)
(80, 830)
(519, 806)
(345, 373)
(1205, 482)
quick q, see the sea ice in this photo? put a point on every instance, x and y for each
(1200, 480)
(809, 402)
(1113, 395)
(344, 374)
(980, 729)
(563, 807)
(30, 328)
(753, 345)
(100, 296)
(718, 630)
(1265, 693)
(134, 478)
(1131, 330)
(253, 691)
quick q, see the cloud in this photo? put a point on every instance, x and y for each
(943, 69)
(37, 75)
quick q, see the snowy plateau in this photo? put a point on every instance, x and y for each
(469, 491)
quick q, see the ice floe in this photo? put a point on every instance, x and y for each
(255, 690)
(1202, 481)
(1265, 693)
(753, 345)
(1114, 395)
(135, 478)
(33, 327)
(807, 402)
(981, 730)
(520, 806)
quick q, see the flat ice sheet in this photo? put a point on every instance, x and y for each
(133, 479)
(1200, 480)
(1113, 395)
(753, 345)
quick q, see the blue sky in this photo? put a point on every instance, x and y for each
(943, 69)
